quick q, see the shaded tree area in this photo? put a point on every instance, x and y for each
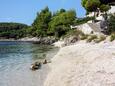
(61, 22)
(79, 21)
(12, 30)
(111, 24)
(107, 1)
(40, 24)
(14, 26)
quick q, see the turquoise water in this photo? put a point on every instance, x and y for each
(15, 60)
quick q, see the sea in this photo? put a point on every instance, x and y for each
(16, 58)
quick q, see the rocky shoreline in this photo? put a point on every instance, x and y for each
(81, 64)
(43, 40)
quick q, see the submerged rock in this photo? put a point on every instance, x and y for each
(35, 66)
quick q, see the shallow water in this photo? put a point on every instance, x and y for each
(15, 60)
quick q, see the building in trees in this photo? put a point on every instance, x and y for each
(105, 6)
(111, 11)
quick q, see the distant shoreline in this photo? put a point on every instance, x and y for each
(8, 40)
(13, 40)
(44, 40)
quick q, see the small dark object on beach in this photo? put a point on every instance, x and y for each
(45, 61)
(35, 66)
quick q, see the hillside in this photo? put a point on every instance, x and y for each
(12, 30)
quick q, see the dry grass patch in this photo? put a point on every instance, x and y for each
(91, 38)
(101, 38)
(112, 37)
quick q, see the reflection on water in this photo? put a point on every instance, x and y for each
(15, 60)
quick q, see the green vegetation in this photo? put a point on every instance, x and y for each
(76, 33)
(40, 24)
(107, 1)
(91, 5)
(49, 24)
(95, 5)
(79, 35)
(91, 38)
(111, 27)
(111, 24)
(104, 8)
(61, 22)
(112, 37)
(101, 38)
(84, 36)
(12, 30)
(82, 20)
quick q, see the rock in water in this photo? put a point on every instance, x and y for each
(35, 66)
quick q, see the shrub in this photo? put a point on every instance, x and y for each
(91, 37)
(83, 20)
(112, 37)
(83, 37)
(111, 24)
(76, 33)
(101, 38)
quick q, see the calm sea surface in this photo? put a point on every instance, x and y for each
(15, 61)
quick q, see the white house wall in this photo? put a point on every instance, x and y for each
(112, 10)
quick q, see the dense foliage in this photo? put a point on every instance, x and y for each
(79, 21)
(40, 24)
(111, 24)
(61, 22)
(112, 37)
(107, 1)
(91, 5)
(7, 26)
(53, 24)
(96, 5)
(12, 30)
